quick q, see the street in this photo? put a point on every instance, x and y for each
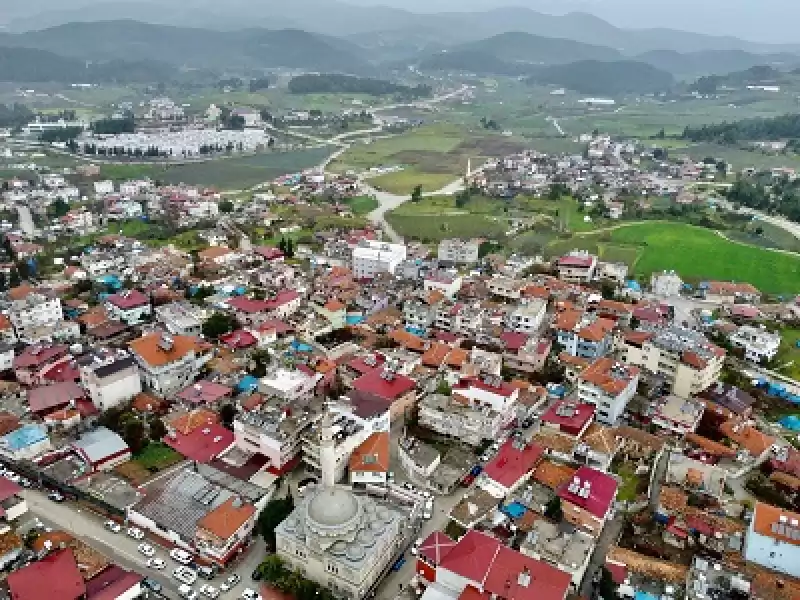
(120, 548)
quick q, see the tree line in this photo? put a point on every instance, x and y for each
(348, 84)
(762, 192)
(772, 128)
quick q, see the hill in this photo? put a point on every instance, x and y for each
(527, 48)
(707, 62)
(605, 78)
(758, 75)
(471, 61)
(338, 84)
(197, 48)
(31, 65)
(774, 128)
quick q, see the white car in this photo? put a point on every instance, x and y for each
(113, 526)
(209, 591)
(187, 592)
(426, 515)
(415, 547)
(156, 563)
(147, 550)
(180, 556)
(136, 533)
(249, 594)
(185, 575)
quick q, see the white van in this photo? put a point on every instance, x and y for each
(180, 556)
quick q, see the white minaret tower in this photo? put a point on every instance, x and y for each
(327, 454)
(469, 167)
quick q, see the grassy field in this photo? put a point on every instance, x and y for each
(789, 353)
(699, 254)
(224, 173)
(436, 228)
(362, 205)
(433, 156)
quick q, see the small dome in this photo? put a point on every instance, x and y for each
(333, 507)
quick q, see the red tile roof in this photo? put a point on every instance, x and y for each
(514, 576)
(128, 299)
(766, 515)
(375, 383)
(42, 399)
(602, 491)
(37, 356)
(569, 417)
(364, 364)
(512, 464)
(248, 305)
(55, 577)
(502, 388)
(472, 556)
(202, 444)
(238, 339)
(435, 547)
(372, 455)
(576, 261)
(204, 392)
(609, 375)
(513, 341)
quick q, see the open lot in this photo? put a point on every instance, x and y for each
(789, 354)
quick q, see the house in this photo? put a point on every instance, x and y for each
(335, 312)
(399, 391)
(198, 435)
(25, 443)
(527, 317)
(609, 386)
(568, 551)
(584, 335)
(47, 399)
(288, 385)
(568, 417)
(224, 531)
(110, 378)
(249, 311)
(371, 258)
(507, 288)
(510, 468)
(773, 539)
(32, 311)
(445, 282)
(577, 267)
(55, 576)
(587, 500)
(759, 345)
(204, 393)
(129, 306)
(179, 318)
(676, 415)
(695, 477)
(728, 292)
(480, 566)
(219, 255)
(666, 284)
(13, 504)
(369, 463)
(101, 449)
(528, 357)
(168, 363)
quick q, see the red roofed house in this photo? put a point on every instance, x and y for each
(608, 385)
(587, 500)
(12, 504)
(55, 577)
(398, 389)
(129, 306)
(35, 360)
(269, 253)
(431, 553)
(204, 392)
(240, 339)
(577, 267)
(249, 311)
(510, 468)
(45, 400)
(481, 562)
(568, 417)
(198, 436)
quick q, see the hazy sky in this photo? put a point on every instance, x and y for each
(758, 20)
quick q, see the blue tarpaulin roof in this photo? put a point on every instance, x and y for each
(247, 383)
(514, 510)
(644, 596)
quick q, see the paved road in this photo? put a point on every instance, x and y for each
(26, 220)
(785, 224)
(608, 538)
(120, 548)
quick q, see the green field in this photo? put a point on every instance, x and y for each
(789, 354)
(436, 228)
(234, 173)
(699, 254)
(362, 205)
(404, 182)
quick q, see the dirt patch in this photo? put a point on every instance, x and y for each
(491, 146)
(134, 472)
(429, 162)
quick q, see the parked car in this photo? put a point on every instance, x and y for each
(249, 594)
(209, 591)
(147, 550)
(206, 572)
(152, 584)
(231, 582)
(156, 563)
(56, 497)
(185, 575)
(112, 526)
(415, 547)
(186, 591)
(180, 556)
(135, 533)
(257, 574)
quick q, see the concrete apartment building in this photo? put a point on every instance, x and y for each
(527, 317)
(33, 311)
(169, 363)
(685, 358)
(371, 258)
(758, 344)
(577, 267)
(609, 386)
(129, 306)
(459, 252)
(110, 378)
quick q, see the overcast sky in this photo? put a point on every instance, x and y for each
(758, 20)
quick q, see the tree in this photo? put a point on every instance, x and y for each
(289, 253)
(133, 432)
(416, 194)
(3, 282)
(219, 324)
(273, 515)
(157, 429)
(553, 510)
(259, 361)
(443, 388)
(59, 208)
(226, 206)
(23, 269)
(14, 279)
(227, 413)
(608, 290)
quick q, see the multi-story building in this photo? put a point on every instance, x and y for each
(180, 318)
(288, 385)
(584, 335)
(759, 345)
(527, 317)
(129, 306)
(773, 539)
(685, 358)
(371, 258)
(445, 282)
(251, 311)
(420, 313)
(528, 357)
(609, 386)
(577, 267)
(33, 312)
(168, 363)
(457, 317)
(506, 288)
(459, 252)
(666, 284)
(369, 463)
(587, 500)
(110, 378)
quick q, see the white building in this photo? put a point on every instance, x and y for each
(369, 463)
(773, 539)
(110, 378)
(446, 283)
(129, 306)
(758, 343)
(288, 385)
(527, 317)
(180, 318)
(666, 284)
(577, 267)
(460, 252)
(609, 386)
(169, 363)
(371, 258)
(32, 312)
